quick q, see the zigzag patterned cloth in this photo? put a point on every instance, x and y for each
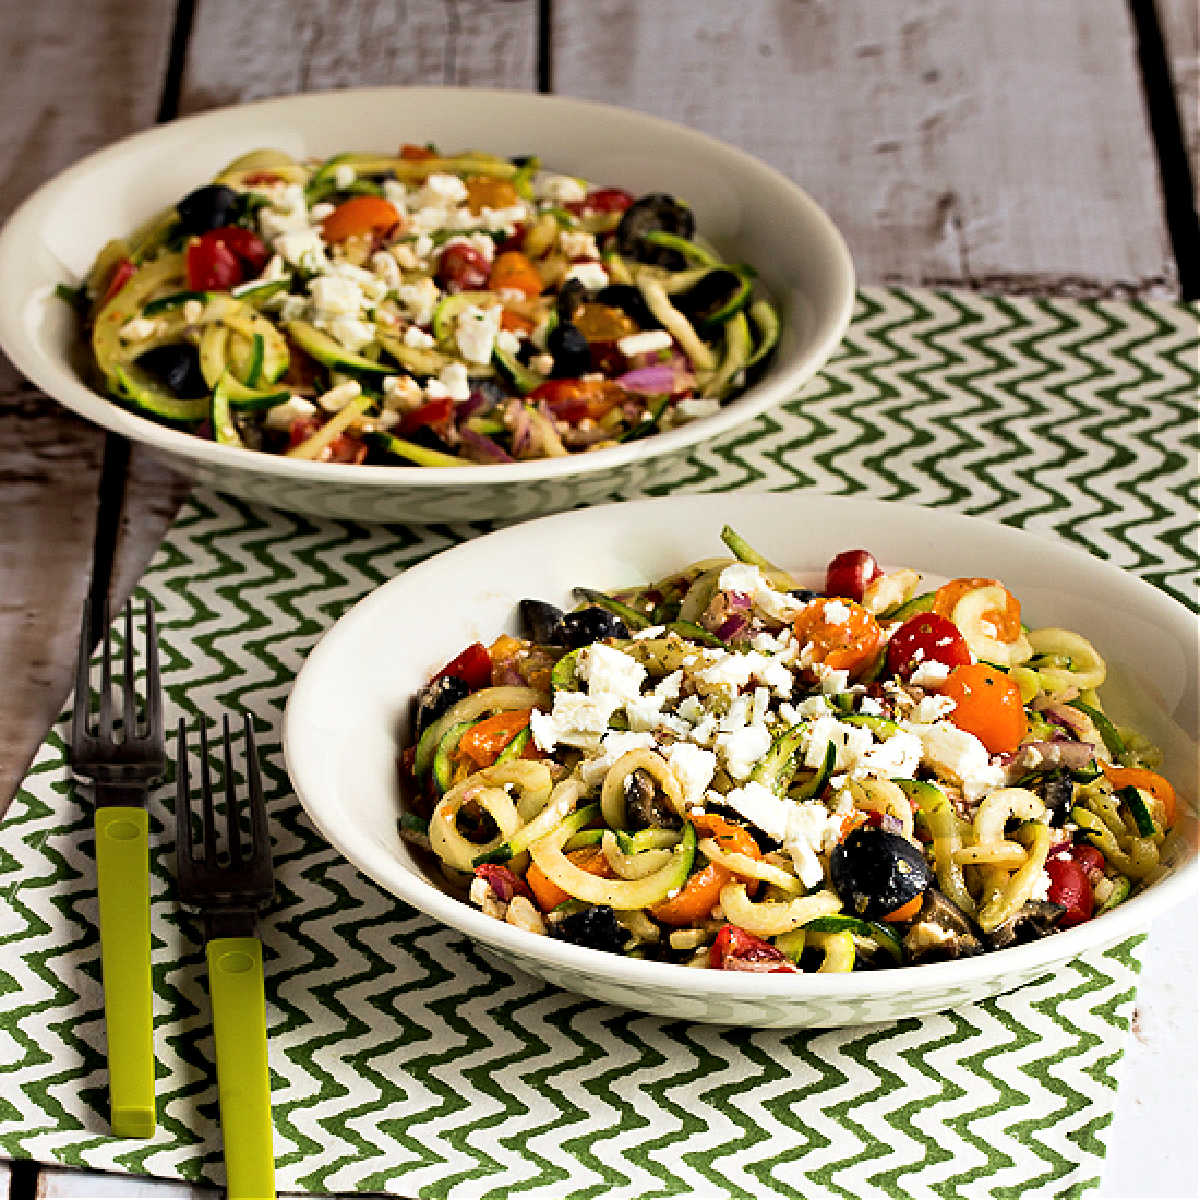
(402, 1059)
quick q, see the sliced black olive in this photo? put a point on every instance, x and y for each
(940, 931)
(1034, 919)
(1058, 790)
(631, 302)
(590, 625)
(596, 927)
(437, 698)
(210, 207)
(487, 391)
(876, 872)
(521, 160)
(714, 297)
(653, 213)
(572, 355)
(541, 622)
(644, 807)
(178, 366)
(803, 594)
(571, 295)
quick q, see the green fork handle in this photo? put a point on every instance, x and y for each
(235, 982)
(123, 890)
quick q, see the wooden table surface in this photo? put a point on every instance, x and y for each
(1029, 146)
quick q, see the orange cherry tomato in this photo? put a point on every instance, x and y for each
(843, 635)
(359, 215)
(572, 400)
(1007, 622)
(515, 322)
(906, 912)
(702, 890)
(483, 742)
(415, 153)
(988, 704)
(513, 271)
(548, 894)
(1147, 781)
(485, 192)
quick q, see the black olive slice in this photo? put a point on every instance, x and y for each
(876, 872)
(653, 213)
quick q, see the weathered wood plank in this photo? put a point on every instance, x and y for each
(75, 77)
(1180, 24)
(242, 52)
(1001, 146)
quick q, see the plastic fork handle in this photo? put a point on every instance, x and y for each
(123, 888)
(235, 982)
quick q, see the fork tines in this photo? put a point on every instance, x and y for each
(140, 748)
(247, 879)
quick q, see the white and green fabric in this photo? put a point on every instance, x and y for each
(403, 1060)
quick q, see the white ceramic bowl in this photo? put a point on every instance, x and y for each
(751, 212)
(352, 699)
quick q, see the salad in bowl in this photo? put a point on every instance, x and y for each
(726, 770)
(420, 308)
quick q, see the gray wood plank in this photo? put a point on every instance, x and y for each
(1180, 24)
(242, 52)
(1000, 146)
(76, 77)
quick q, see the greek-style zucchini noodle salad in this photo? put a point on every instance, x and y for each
(420, 309)
(722, 769)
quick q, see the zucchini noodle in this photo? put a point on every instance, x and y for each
(612, 792)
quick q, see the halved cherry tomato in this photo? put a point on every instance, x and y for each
(462, 268)
(603, 322)
(1070, 887)
(416, 153)
(1006, 621)
(359, 215)
(222, 258)
(432, 412)
(122, 273)
(572, 400)
(473, 666)
(483, 742)
(515, 322)
(988, 704)
(212, 265)
(549, 895)
(842, 634)
(1088, 857)
(1147, 781)
(849, 573)
(734, 949)
(602, 200)
(484, 191)
(343, 448)
(923, 639)
(503, 882)
(513, 271)
(702, 890)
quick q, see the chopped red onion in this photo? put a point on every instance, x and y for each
(891, 823)
(503, 882)
(738, 601)
(484, 448)
(732, 627)
(658, 380)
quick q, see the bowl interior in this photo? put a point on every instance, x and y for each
(349, 709)
(750, 211)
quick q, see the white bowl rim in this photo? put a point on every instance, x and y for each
(56, 378)
(1128, 919)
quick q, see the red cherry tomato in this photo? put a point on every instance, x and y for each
(1070, 887)
(462, 269)
(988, 704)
(849, 573)
(222, 258)
(473, 666)
(343, 448)
(1088, 857)
(923, 639)
(414, 153)
(212, 266)
(572, 400)
(434, 412)
(736, 950)
(602, 200)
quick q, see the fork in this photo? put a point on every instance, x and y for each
(121, 772)
(230, 896)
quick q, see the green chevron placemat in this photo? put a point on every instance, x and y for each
(403, 1060)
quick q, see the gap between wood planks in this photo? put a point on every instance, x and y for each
(1174, 170)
